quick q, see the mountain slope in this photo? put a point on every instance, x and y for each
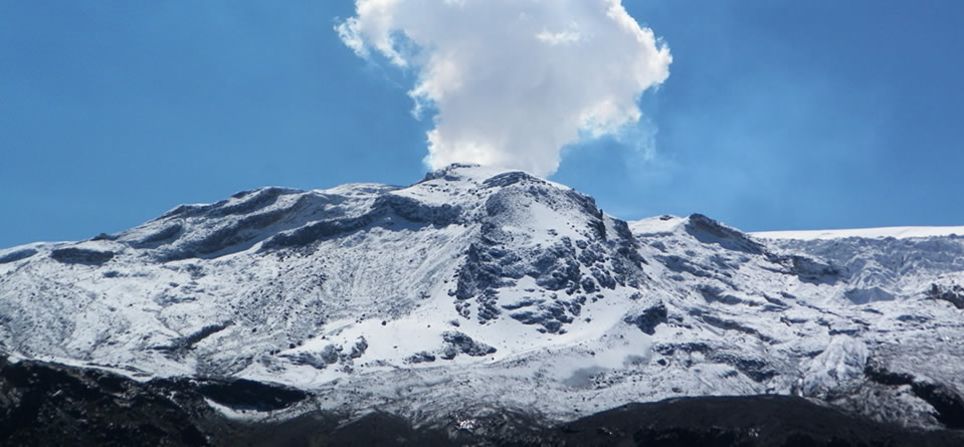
(477, 289)
(47, 404)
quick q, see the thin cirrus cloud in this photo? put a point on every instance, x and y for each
(511, 82)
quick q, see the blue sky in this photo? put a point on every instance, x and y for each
(776, 115)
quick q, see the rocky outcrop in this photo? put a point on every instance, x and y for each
(459, 343)
(649, 318)
(74, 255)
(17, 255)
(709, 231)
(947, 401)
(43, 404)
(953, 294)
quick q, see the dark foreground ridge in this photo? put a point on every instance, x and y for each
(48, 404)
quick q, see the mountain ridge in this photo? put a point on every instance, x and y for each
(498, 288)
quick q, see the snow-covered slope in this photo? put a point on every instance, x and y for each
(867, 233)
(476, 289)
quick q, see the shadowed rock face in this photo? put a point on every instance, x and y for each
(649, 318)
(48, 404)
(165, 235)
(250, 395)
(948, 404)
(952, 294)
(709, 231)
(743, 421)
(598, 255)
(17, 255)
(460, 343)
(42, 404)
(74, 255)
(45, 404)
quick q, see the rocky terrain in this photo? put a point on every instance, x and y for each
(50, 404)
(471, 295)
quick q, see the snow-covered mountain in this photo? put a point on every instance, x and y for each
(476, 289)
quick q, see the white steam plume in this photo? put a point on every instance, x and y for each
(513, 81)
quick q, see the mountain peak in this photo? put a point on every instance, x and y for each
(494, 281)
(469, 172)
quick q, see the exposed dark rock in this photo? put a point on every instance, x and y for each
(421, 357)
(812, 270)
(952, 294)
(189, 210)
(316, 231)
(73, 255)
(241, 232)
(481, 272)
(948, 403)
(416, 211)
(669, 349)
(680, 264)
(868, 295)
(187, 342)
(510, 178)
(525, 302)
(550, 315)
(237, 236)
(331, 353)
(447, 172)
(328, 355)
(385, 206)
(756, 369)
(332, 429)
(361, 345)
(709, 231)
(104, 237)
(495, 261)
(17, 255)
(312, 359)
(729, 325)
(165, 235)
(241, 394)
(713, 294)
(913, 318)
(257, 199)
(738, 421)
(556, 268)
(459, 343)
(649, 318)
(46, 404)
(588, 285)
(755, 421)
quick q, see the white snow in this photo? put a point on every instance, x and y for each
(872, 233)
(661, 224)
